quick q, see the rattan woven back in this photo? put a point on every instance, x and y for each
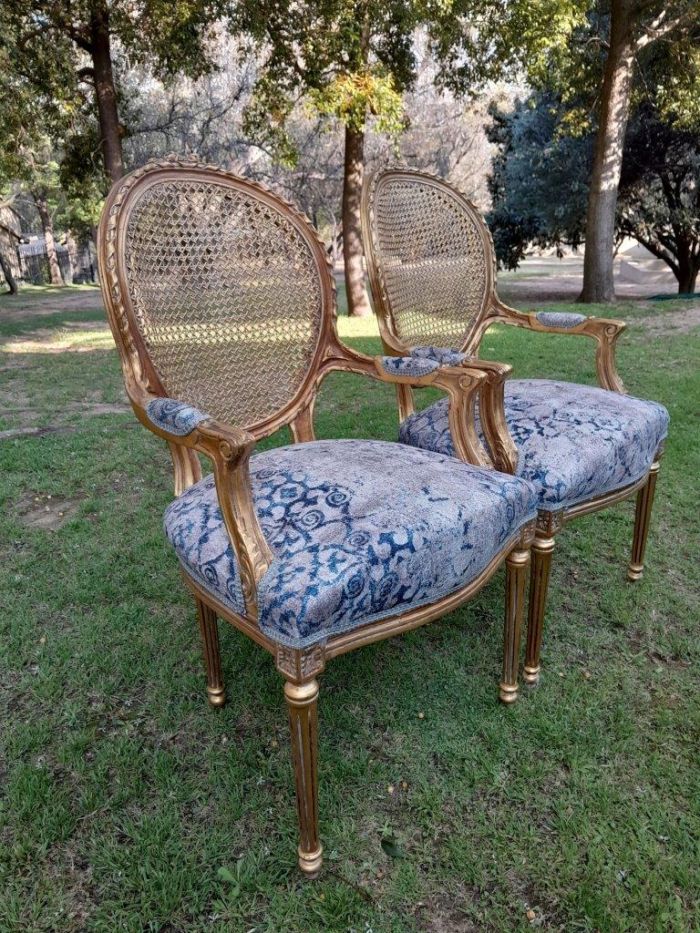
(430, 258)
(226, 285)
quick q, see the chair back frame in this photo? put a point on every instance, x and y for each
(604, 332)
(141, 374)
(489, 306)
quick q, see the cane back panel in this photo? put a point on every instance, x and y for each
(225, 286)
(430, 258)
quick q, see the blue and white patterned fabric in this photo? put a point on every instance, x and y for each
(176, 417)
(575, 442)
(408, 366)
(359, 530)
(565, 319)
(442, 355)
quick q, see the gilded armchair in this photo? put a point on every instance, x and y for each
(433, 277)
(222, 305)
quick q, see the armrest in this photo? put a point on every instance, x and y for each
(463, 384)
(491, 409)
(174, 417)
(603, 330)
(229, 448)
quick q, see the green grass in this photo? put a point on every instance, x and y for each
(122, 794)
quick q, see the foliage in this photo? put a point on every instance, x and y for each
(539, 185)
(350, 97)
(349, 58)
(660, 192)
(539, 179)
(562, 44)
(55, 61)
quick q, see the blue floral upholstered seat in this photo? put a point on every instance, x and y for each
(359, 530)
(575, 442)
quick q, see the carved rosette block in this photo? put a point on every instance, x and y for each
(299, 664)
(549, 523)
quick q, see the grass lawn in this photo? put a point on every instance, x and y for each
(127, 804)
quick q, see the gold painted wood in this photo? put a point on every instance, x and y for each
(160, 355)
(642, 518)
(302, 702)
(517, 563)
(422, 268)
(212, 658)
(604, 331)
(542, 550)
(186, 467)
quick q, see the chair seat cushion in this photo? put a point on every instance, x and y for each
(359, 530)
(575, 442)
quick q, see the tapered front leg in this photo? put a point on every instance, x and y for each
(302, 701)
(542, 549)
(642, 517)
(516, 570)
(212, 657)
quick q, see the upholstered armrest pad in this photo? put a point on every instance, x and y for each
(442, 355)
(173, 416)
(408, 366)
(564, 319)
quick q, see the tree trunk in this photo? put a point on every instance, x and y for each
(7, 272)
(72, 248)
(598, 283)
(105, 93)
(358, 302)
(47, 226)
(688, 268)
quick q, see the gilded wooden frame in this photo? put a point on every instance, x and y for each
(229, 448)
(604, 332)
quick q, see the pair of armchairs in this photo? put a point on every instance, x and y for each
(222, 305)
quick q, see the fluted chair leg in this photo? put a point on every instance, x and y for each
(302, 702)
(642, 517)
(542, 549)
(516, 571)
(212, 657)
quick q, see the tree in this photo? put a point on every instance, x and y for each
(540, 180)
(68, 52)
(9, 237)
(660, 193)
(201, 115)
(634, 25)
(351, 59)
(26, 152)
(589, 50)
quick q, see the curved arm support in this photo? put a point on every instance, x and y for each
(504, 453)
(604, 331)
(229, 448)
(492, 415)
(462, 384)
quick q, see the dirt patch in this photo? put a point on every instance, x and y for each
(442, 914)
(74, 337)
(49, 302)
(673, 322)
(98, 408)
(48, 513)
